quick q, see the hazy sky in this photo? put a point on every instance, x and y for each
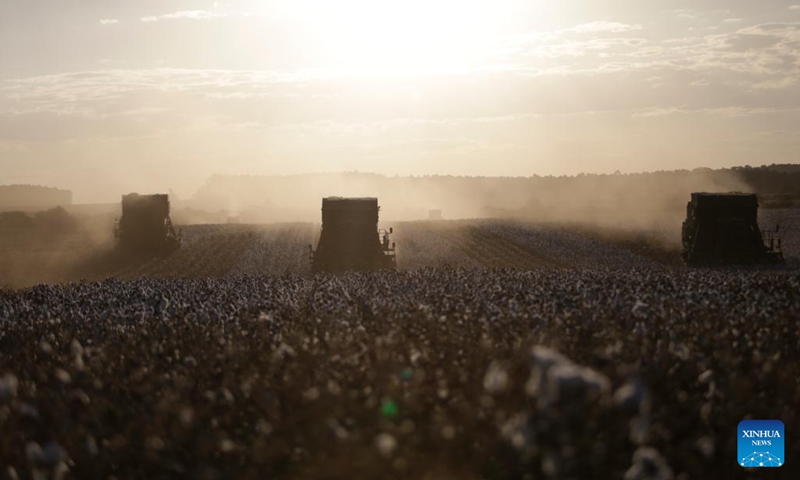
(104, 96)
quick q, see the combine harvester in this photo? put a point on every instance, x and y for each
(350, 238)
(722, 229)
(145, 224)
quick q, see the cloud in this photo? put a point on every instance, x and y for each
(581, 70)
(602, 26)
(763, 51)
(264, 99)
(48, 127)
(794, 7)
(108, 21)
(599, 39)
(154, 94)
(736, 111)
(583, 48)
(192, 15)
(764, 56)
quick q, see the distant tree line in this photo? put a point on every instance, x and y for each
(619, 197)
(778, 186)
(24, 197)
(54, 220)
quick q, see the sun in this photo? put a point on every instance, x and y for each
(398, 38)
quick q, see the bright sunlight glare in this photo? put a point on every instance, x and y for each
(395, 39)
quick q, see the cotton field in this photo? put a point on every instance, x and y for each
(496, 351)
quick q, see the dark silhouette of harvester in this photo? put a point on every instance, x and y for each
(145, 224)
(722, 229)
(350, 238)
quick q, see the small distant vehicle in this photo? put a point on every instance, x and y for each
(722, 229)
(350, 238)
(145, 224)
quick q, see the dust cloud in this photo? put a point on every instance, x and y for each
(636, 202)
(53, 249)
(646, 208)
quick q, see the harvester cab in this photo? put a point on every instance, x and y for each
(145, 224)
(722, 229)
(350, 238)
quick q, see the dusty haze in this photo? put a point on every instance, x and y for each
(122, 96)
(637, 201)
(245, 110)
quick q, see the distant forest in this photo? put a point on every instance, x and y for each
(634, 199)
(32, 197)
(54, 220)
(778, 185)
(642, 198)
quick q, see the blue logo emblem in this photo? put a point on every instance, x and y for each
(761, 443)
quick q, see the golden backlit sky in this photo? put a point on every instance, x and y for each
(104, 96)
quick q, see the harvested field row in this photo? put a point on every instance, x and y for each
(420, 246)
(278, 249)
(211, 251)
(488, 249)
(567, 246)
(500, 244)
